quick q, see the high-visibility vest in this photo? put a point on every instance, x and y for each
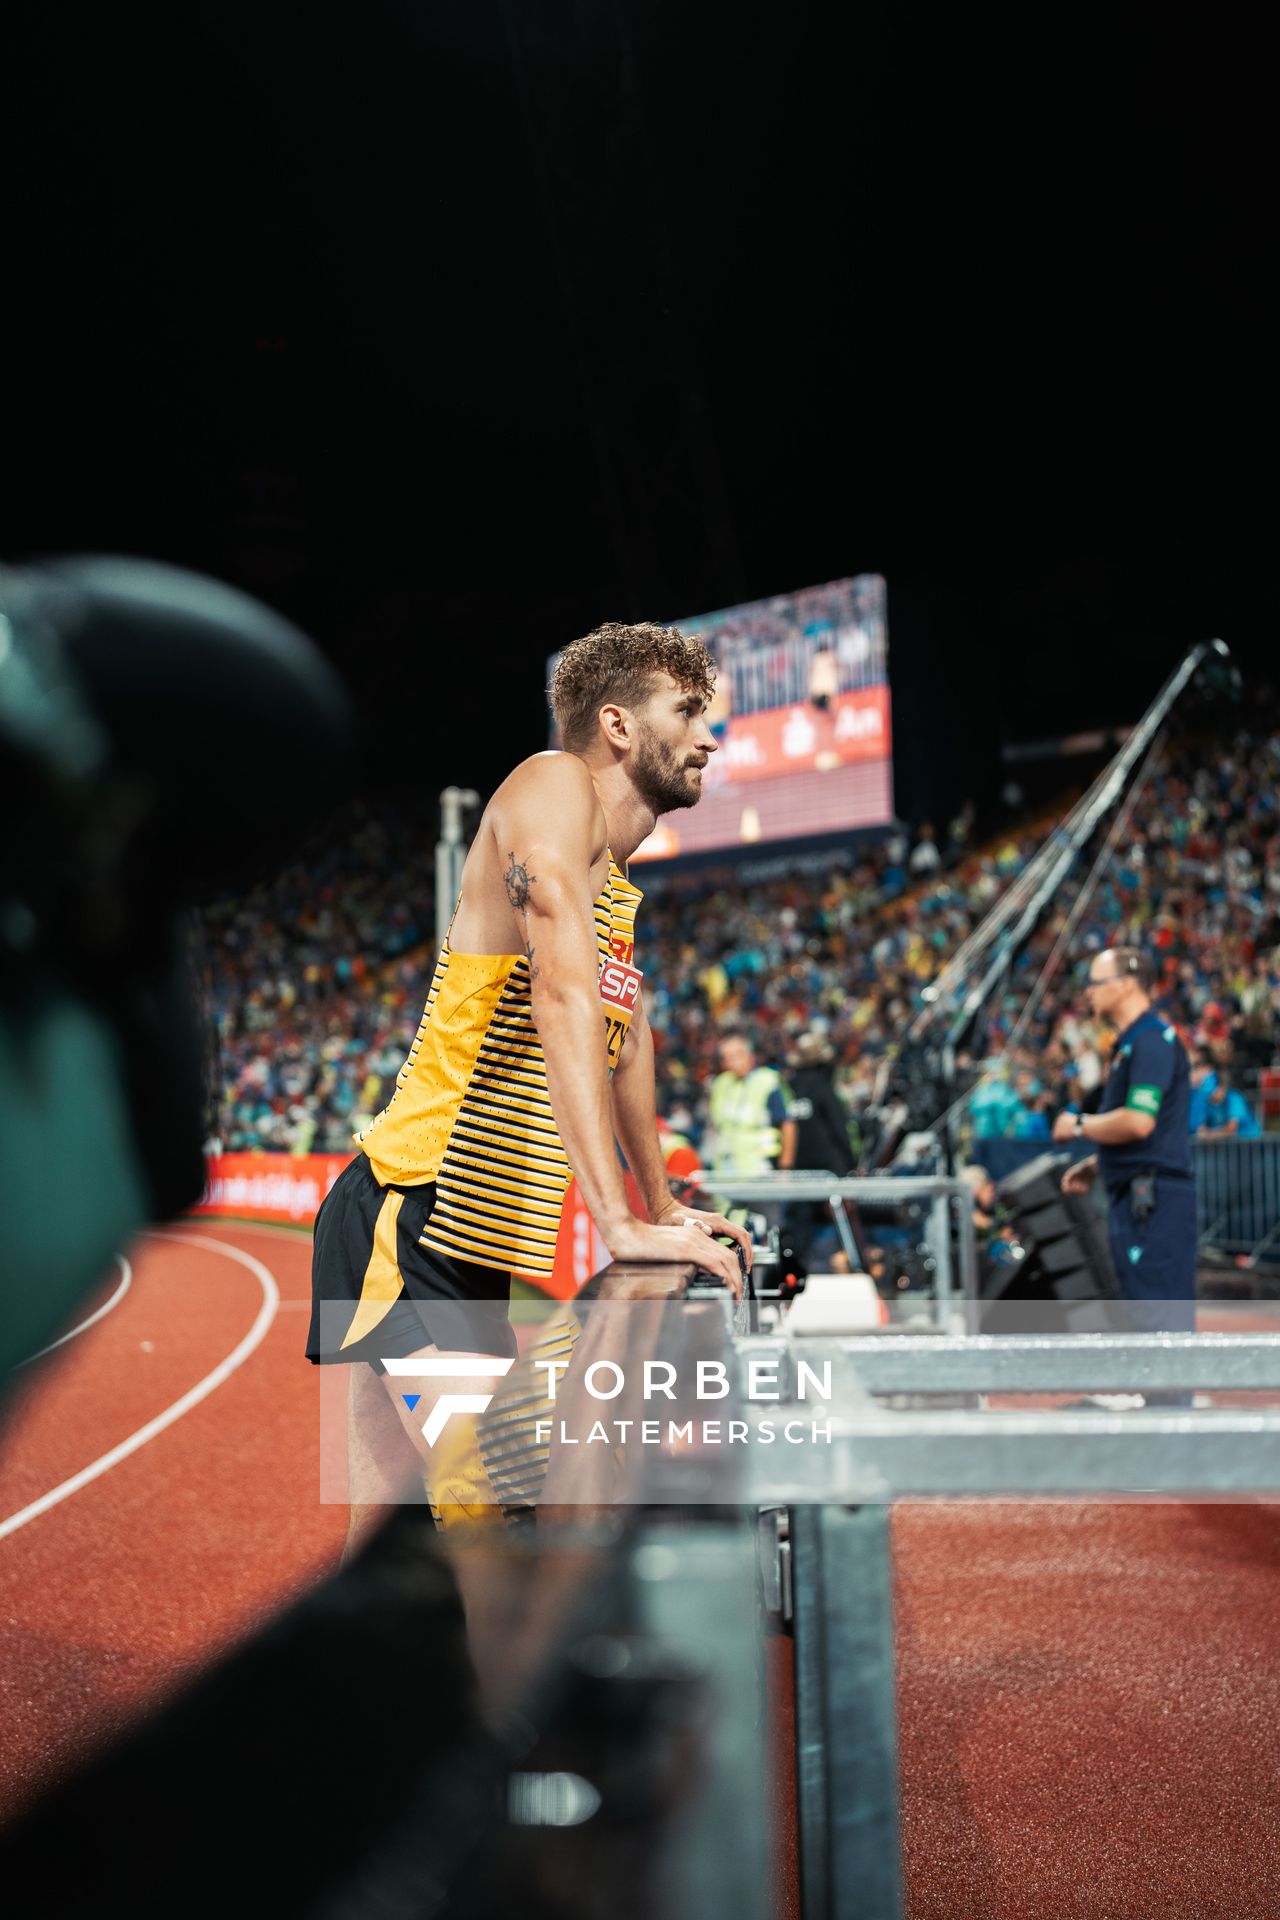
(747, 1141)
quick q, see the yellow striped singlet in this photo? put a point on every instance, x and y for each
(471, 1109)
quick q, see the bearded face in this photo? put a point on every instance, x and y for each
(664, 778)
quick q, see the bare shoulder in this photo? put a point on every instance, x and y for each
(551, 797)
(559, 775)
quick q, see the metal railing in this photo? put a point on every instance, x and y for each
(1238, 1196)
(946, 1225)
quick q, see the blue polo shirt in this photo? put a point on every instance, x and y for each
(1216, 1113)
(1150, 1072)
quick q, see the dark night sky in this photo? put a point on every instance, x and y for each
(982, 311)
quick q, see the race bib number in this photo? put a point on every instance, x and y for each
(620, 990)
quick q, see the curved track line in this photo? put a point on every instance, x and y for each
(297, 1235)
(126, 1281)
(239, 1354)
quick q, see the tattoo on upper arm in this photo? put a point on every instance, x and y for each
(518, 881)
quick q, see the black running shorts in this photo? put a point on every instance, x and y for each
(376, 1290)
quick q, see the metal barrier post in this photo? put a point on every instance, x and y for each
(846, 1714)
(938, 1241)
(696, 1590)
(845, 1231)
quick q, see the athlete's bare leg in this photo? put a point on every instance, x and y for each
(382, 1465)
(389, 1459)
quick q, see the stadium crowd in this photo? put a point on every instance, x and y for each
(1195, 882)
(316, 983)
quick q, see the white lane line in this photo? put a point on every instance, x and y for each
(201, 1391)
(126, 1281)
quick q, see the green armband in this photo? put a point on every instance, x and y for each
(1145, 1099)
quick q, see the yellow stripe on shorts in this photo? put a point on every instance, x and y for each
(382, 1285)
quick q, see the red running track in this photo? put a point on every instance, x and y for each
(121, 1591)
(1089, 1694)
(1089, 1710)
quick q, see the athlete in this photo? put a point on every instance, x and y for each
(533, 1056)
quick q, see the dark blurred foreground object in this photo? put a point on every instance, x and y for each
(273, 1785)
(347, 1763)
(162, 737)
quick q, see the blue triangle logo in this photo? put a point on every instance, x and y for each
(411, 1400)
(1135, 1254)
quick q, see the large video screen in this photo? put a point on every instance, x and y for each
(801, 713)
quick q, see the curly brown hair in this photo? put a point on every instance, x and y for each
(620, 663)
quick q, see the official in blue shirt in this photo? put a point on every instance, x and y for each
(1142, 1133)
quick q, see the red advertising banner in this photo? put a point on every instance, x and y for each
(803, 738)
(286, 1187)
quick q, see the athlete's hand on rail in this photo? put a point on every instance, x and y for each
(675, 1214)
(639, 1240)
(1081, 1176)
